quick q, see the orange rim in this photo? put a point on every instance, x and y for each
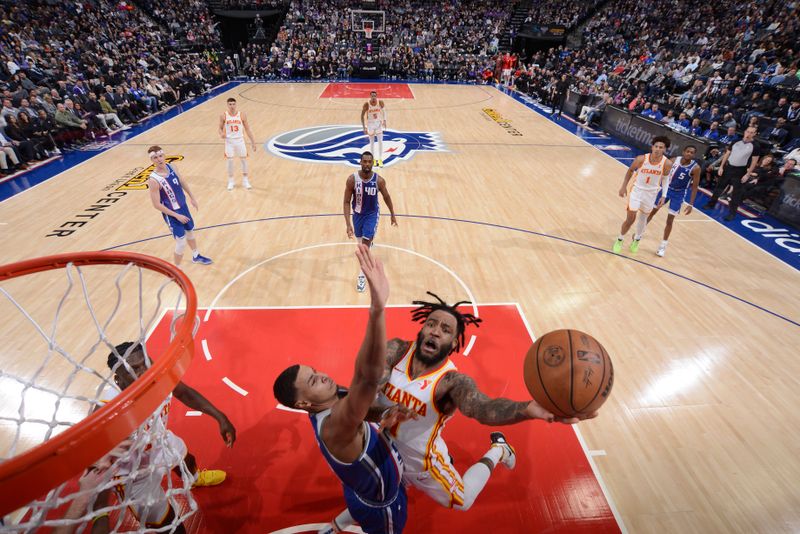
(36, 471)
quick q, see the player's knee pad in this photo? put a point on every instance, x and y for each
(180, 245)
(189, 235)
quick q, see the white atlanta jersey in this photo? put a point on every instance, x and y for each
(424, 452)
(233, 126)
(375, 116)
(650, 176)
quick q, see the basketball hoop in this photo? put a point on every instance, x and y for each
(38, 478)
(369, 27)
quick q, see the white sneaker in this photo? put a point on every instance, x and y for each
(661, 250)
(246, 183)
(230, 185)
(509, 458)
(361, 285)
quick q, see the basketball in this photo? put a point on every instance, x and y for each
(569, 373)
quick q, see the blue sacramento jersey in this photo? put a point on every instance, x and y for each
(681, 175)
(365, 195)
(174, 184)
(376, 477)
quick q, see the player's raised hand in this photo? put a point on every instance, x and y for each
(376, 278)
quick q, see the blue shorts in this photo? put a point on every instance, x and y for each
(366, 224)
(178, 228)
(373, 520)
(674, 200)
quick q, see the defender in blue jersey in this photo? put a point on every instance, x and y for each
(361, 194)
(167, 196)
(364, 459)
(684, 172)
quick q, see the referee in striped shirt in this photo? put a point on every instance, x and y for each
(740, 159)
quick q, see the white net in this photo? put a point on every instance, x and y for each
(59, 364)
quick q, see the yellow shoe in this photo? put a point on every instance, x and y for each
(209, 477)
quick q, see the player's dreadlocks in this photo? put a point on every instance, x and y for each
(421, 314)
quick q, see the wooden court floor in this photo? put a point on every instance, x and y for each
(701, 431)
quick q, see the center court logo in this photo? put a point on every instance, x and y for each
(345, 143)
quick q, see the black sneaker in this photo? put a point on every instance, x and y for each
(509, 458)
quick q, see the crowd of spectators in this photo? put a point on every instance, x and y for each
(247, 5)
(188, 22)
(708, 70)
(450, 40)
(83, 70)
(566, 13)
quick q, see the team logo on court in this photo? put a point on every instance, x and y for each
(345, 143)
(553, 356)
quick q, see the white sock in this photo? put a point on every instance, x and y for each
(230, 169)
(664, 243)
(477, 476)
(195, 253)
(641, 223)
(495, 454)
(621, 237)
(372, 143)
(380, 146)
(244, 167)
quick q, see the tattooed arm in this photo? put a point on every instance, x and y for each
(463, 393)
(458, 390)
(396, 348)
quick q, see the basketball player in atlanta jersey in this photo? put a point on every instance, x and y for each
(232, 127)
(651, 172)
(152, 507)
(361, 195)
(364, 459)
(421, 376)
(167, 196)
(684, 172)
(375, 114)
